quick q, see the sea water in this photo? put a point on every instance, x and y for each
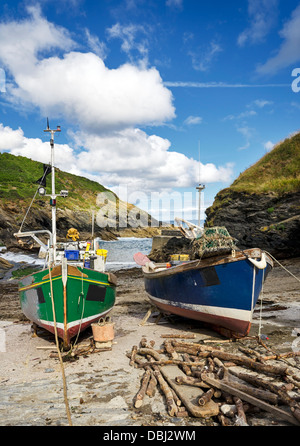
(119, 253)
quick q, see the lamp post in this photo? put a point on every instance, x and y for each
(200, 188)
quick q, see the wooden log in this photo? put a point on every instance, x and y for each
(224, 386)
(182, 412)
(240, 411)
(143, 343)
(188, 350)
(163, 362)
(195, 346)
(243, 360)
(189, 394)
(177, 400)
(229, 410)
(210, 364)
(180, 336)
(151, 352)
(187, 369)
(133, 354)
(207, 396)
(171, 406)
(264, 395)
(281, 356)
(250, 352)
(224, 420)
(272, 388)
(190, 381)
(151, 386)
(170, 349)
(138, 400)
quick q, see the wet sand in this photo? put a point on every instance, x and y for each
(101, 386)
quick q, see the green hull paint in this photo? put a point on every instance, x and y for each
(88, 298)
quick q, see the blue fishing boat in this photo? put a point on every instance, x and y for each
(221, 290)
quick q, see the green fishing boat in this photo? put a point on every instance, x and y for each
(73, 290)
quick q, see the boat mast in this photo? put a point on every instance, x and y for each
(53, 195)
(199, 188)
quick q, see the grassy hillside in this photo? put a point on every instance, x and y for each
(18, 176)
(278, 171)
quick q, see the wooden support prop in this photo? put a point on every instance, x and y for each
(148, 314)
(226, 387)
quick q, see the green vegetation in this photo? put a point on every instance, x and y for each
(18, 176)
(278, 171)
(22, 272)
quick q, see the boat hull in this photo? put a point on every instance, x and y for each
(87, 296)
(221, 292)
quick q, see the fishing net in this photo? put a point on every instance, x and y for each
(213, 241)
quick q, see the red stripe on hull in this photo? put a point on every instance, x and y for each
(238, 327)
(74, 329)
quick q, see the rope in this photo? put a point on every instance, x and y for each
(28, 210)
(31, 204)
(58, 351)
(283, 266)
(261, 304)
(83, 304)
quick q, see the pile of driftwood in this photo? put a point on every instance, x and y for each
(230, 385)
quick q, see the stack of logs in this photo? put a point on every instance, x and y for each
(216, 371)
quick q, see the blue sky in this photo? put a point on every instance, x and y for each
(138, 86)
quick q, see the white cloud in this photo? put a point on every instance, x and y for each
(262, 16)
(96, 46)
(106, 105)
(134, 39)
(193, 120)
(143, 161)
(10, 139)
(288, 52)
(268, 146)
(129, 156)
(23, 41)
(260, 103)
(203, 58)
(174, 3)
(17, 144)
(83, 89)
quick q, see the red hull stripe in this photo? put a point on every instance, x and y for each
(239, 326)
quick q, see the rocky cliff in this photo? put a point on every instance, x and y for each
(262, 207)
(112, 216)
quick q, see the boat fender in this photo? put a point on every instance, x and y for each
(260, 264)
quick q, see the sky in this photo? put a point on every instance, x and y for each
(153, 96)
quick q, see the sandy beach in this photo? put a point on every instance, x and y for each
(101, 385)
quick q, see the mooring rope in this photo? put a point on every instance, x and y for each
(282, 266)
(58, 351)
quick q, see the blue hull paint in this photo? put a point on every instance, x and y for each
(221, 294)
